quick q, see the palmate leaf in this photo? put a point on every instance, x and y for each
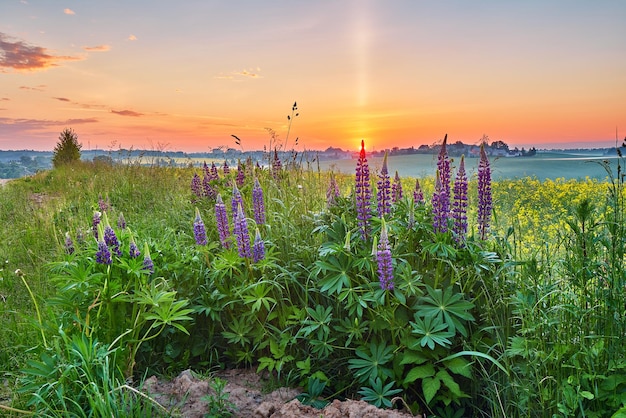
(377, 394)
(447, 306)
(432, 330)
(371, 365)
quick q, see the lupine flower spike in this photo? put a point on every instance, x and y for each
(363, 193)
(258, 248)
(484, 193)
(103, 255)
(109, 236)
(97, 218)
(199, 231)
(459, 204)
(440, 214)
(69, 244)
(207, 189)
(221, 218)
(226, 168)
(237, 200)
(121, 222)
(383, 259)
(133, 250)
(396, 189)
(240, 229)
(258, 203)
(383, 195)
(241, 175)
(196, 185)
(332, 193)
(215, 175)
(148, 264)
(418, 194)
(445, 175)
(276, 164)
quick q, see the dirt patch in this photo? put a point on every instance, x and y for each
(186, 396)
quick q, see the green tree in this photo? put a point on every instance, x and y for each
(67, 149)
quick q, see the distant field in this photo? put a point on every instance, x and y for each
(549, 165)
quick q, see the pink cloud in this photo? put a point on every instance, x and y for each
(127, 113)
(21, 56)
(69, 12)
(97, 48)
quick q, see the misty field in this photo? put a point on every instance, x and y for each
(509, 303)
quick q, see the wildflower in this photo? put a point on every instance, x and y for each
(148, 264)
(196, 185)
(226, 168)
(440, 214)
(121, 222)
(206, 170)
(103, 255)
(214, 173)
(383, 259)
(69, 244)
(459, 205)
(207, 189)
(276, 164)
(240, 229)
(384, 190)
(110, 238)
(241, 175)
(396, 189)
(332, 193)
(363, 192)
(443, 166)
(237, 200)
(418, 195)
(484, 193)
(258, 203)
(97, 217)
(134, 250)
(199, 231)
(103, 204)
(222, 222)
(258, 248)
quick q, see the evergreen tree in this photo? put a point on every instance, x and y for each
(67, 149)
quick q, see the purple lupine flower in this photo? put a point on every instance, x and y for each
(383, 259)
(241, 175)
(484, 193)
(383, 195)
(396, 189)
(196, 185)
(240, 229)
(363, 193)
(199, 231)
(332, 193)
(121, 221)
(148, 264)
(226, 168)
(418, 194)
(207, 189)
(258, 248)
(276, 164)
(97, 218)
(215, 175)
(103, 204)
(109, 236)
(103, 255)
(459, 205)
(440, 214)
(133, 250)
(69, 244)
(221, 218)
(206, 170)
(445, 175)
(258, 203)
(236, 200)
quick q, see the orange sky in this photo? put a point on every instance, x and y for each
(188, 75)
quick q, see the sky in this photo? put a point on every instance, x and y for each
(192, 75)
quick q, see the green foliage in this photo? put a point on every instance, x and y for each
(218, 402)
(67, 150)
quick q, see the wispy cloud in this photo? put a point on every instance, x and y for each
(69, 12)
(4, 99)
(236, 75)
(127, 113)
(97, 48)
(20, 56)
(62, 99)
(132, 37)
(40, 87)
(24, 125)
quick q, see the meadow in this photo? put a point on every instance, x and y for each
(111, 273)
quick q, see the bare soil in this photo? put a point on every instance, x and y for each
(183, 396)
